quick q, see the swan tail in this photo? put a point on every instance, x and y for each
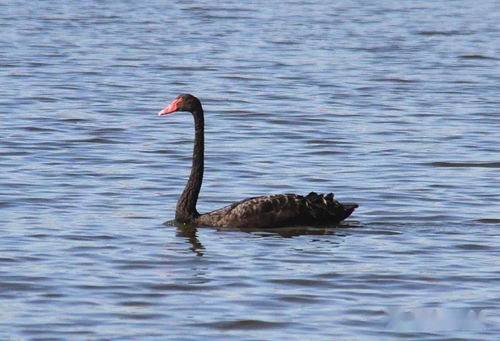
(325, 209)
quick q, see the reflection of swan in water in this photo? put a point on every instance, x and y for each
(190, 232)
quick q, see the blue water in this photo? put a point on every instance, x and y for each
(393, 105)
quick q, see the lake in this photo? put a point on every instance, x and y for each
(393, 105)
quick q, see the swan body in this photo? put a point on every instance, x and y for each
(258, 212)
(279, 210)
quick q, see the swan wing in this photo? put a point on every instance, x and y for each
(280, 210)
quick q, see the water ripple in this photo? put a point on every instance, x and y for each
(398, 115)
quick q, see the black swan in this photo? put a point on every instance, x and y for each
(259, 212)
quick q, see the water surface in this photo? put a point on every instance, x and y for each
(392, 105)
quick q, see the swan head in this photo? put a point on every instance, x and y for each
(185, 102)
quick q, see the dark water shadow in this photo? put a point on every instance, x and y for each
(190, 231)
(293, 231)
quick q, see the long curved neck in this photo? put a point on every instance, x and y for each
(186, 206)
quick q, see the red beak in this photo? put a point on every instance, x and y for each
(172, 107)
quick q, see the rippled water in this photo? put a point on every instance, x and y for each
(390, 104)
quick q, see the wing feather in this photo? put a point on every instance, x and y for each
(279, 210)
